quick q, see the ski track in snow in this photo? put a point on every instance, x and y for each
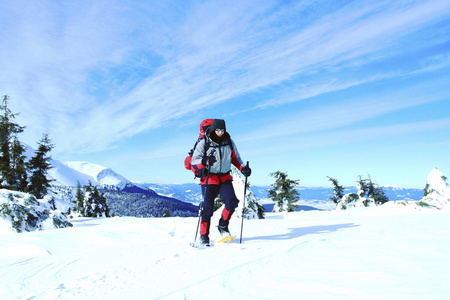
(361, 254)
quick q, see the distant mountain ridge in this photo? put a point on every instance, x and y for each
(70, 173)
(191, 192)
(123, 197)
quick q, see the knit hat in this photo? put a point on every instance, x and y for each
(218, 124)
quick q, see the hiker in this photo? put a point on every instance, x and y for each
(224, 153)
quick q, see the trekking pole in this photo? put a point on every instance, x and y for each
(243, 206)
(200, 211)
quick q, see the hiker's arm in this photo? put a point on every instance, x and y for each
(235, 157)
(199, 153)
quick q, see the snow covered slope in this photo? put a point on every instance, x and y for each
(65, 175)
(101, 175)
(371, 253)
(69, 173)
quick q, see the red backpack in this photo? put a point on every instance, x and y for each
(204, 125)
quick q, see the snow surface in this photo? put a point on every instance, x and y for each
(386, 252)
(64, 175)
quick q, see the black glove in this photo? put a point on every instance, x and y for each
(202, 173)
(246, 171)
(209, 160)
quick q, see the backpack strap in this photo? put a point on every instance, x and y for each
(207, 145)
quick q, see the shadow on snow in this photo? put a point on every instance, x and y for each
(301, 231)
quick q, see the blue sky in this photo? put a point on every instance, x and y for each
(311, 88)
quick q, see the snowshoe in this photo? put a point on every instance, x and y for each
(226, 240)
(226, 235)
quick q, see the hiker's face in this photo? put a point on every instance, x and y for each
(220, 132)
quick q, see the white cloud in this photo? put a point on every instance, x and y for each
(94, 74)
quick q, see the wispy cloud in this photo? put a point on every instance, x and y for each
(342, 113)
(349, 137)
(106, 70)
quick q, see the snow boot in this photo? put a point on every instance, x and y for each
(224, 230)
(223, 223)
(204, 240)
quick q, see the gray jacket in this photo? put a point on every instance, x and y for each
(225, 153)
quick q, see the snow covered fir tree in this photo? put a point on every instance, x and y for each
(368, 194)
(253, 209)
(284, 193)
(91, 203)
(436, 191)
(12, 161)
(38, 167)
(338, 190)
(24, 199)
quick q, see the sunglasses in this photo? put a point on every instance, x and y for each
(220, 130)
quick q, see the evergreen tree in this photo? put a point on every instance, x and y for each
(253, 203)
(88, 202)
(93, 204)
(19, 179)
(376, 193)
(102, 201)
(166, 213)
(261, 211)
(284, 193)
(363, 186)
(337, 190)
(39, 165)
(379, 196)
(52, 203)
(8, 132)
(101, 208)
(218, 202)
(427, 190)
(79, 198)
(368, 189)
